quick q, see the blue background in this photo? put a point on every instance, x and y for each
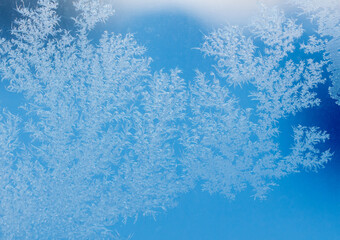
(304, 205)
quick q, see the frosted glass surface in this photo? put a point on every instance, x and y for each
(169, 120)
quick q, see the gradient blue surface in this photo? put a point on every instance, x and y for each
(305, 206)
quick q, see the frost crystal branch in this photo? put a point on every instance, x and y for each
(101, 138)
(326, 16)
(101, 128)
(231, 147)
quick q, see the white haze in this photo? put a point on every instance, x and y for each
(208, 11)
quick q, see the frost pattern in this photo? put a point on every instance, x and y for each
(231, 147)
(101, 138)
(326, 16)
(101, 129)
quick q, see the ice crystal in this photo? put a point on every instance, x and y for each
(231, 147)
(326, 16)
(101, 128)
(102, 138)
